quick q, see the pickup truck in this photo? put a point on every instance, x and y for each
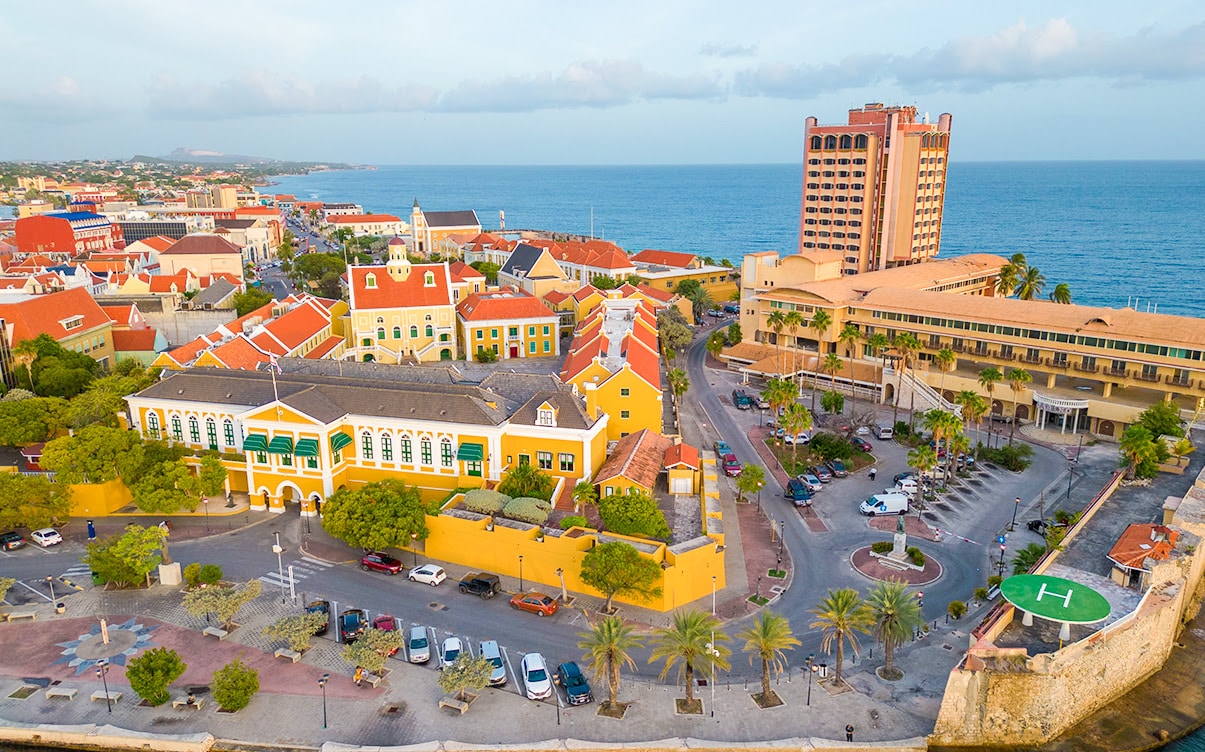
(481, 584)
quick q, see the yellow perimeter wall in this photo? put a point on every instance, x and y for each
(98, 499)
(467, 542)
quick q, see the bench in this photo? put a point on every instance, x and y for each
(67, 692)
(375, 680)
(182, 702)
(447, 701)
(110, 696)
(217, 632)
(292, 655)
(14, 615)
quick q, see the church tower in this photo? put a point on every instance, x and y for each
(398, 266)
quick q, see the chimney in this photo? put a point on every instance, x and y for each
(591, 391)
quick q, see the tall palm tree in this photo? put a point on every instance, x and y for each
(1137, 444)
(1007, 280)
(830, 366)
(609, 645)
(821, 321)
(1062, 293)
(679, 382)
(795, 419)
(907, 345)
(779, 393)
(988, 378)
(767, 639)
(944, 358)
(792, 321)
(1030, 284)
(775, 322)
(583, 493)
(923, 459)
(684, 645)
(850, 336)
(841, 615)
(974, 408)
(1017, 379)
(896, 615)
(878, 344)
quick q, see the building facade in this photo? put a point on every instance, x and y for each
(874, 188)
(402, 311)
(509, 323)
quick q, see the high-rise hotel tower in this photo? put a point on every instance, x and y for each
(874, 189)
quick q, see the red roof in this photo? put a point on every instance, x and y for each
(665, 296)
(464, 271)
(412, 292)
(1142, 541)
(239, 355)
(356, 219)
(258, 211)
(162, 283)
(638, 457)
(673, 259)
(324, 348)
(188, 352)
(119, 314)
(682, 454)
(296, 326)
(202, 245)
(556, 297)
(45, 314)
(597, 254)
(134, 340)
(159, 242)
(505, 304)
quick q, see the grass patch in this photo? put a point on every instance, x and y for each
(778, 574)
(605, 708)
(694, 707)
(758, 600)
(767, 701)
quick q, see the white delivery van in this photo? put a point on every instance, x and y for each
(883, 431)
(884, 503)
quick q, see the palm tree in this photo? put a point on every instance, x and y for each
(944, 358)
(609, 645)
(779, 393)
(821, 321)
(850, 336)
(830, 366)
(1030, 284)
(1136, 445)
(907, 346)
(1007, 280)
(775, 322)
(1017, 379)
(583, 493)
(767, 639)
(679, 382)
(878, 344)
(792, 321)
(1025, 558)
(896, 615)
(840, 616)
(972, 408)
(923, 459)
(795, 419)
(1062, 293)
(988, 378)
(686, 645)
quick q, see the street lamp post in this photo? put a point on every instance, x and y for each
(1016, 505)
(50, 584)
(205, 503)
(520, 573)
(713, 595)
(759, 485)
(280, 567)
(810, 663)
(414, 547)
(782, 530)
(713, 653)
(1001, 564)
(322, 683)
(102, 670)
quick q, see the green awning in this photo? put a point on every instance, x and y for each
(340, 440)
(281, 445)
(306, 448)
(470, 452)
(256, 442)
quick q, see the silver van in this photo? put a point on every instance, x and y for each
(883, 431)
(490, 652)
(419, 645)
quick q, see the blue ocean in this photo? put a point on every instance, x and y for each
(1119, 233)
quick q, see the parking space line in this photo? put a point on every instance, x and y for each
(521, 691)
(35, 592)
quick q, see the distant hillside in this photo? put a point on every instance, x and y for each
(205, 156)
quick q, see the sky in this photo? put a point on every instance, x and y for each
(615, 82)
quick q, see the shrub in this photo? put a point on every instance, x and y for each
(484, 501)
(994, 581)
(916, 555)
(528, 509)
(1015, 457)
(211, 574)
(829, 446)
(234, 685)
(296, 629)
(902, 429)
(192, 574)
(574, 520)
(150, 674)
(956, 609)
(633, 514)
(881, 547)
(981, 594)
(485, 356)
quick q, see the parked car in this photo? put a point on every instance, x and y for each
(386, 623)
(731, 308)
(492, 653)
(380, 562)
(861, 443)
(741, 399)
(431, 574)
(882, 431)
(482, 584)
(884, 503)
(901, 476)
(324, 608)
(797, 493)
(716, 313)
(800, 438)
(965, 460)
(450, 650)
(1041, 526)
(418, 645)
(537, 603)
(812, 483)
(761, 402)
(732, 466)
(722, 448)
(577, 689)
(352, 623)
(536, 682)
(10, 541)
(906, 486)
(821, 472)
(46, 537)
(837, 467)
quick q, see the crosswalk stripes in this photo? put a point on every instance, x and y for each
(79, 571)
(301, 568)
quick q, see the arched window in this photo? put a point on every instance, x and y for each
(211, 432)
(228, 432)
(429, 279)
(429, 331)
(413, 331)
(816, 141)
(425, 446)
(846, 142)
(860, 141)
(370, 280)
(407, 450)
(387, 447)
(397, 332)
(152, 424)
(380, 332)
(366, 445)
(830, 142)
(445, 452)
(177, 431)
(380, 320)
(194, 430)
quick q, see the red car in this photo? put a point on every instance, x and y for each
(385, 623)
(861, 443)
(537, 603)
(732, 466)
(379, 562)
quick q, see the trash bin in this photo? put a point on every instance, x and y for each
(823, 670)
(60, 608)
(97, 579)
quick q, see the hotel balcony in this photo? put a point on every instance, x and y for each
(1086, 369)
(1152, 377)
(1183, 381)
(1060, 364)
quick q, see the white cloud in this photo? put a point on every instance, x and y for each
(718, 49)
(62, 101)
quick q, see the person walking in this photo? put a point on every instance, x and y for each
(873, 472)
(849, 732)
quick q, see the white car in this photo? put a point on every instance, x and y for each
(428, 573)
(811, 482)
(802, 437)
(451, 649)
(47, 536)
(536, 680)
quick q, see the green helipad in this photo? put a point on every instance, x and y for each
(1055, 598)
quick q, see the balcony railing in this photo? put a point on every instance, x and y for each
(1146, 376)
(1057, 363)
(958, 348)
(1032, 359)
(1086, 369)
(1120, 373)
(1178, 381)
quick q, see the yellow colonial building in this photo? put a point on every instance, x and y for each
(509, 323)
(300, 437)
(402, 311)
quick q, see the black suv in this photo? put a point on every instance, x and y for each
(481, 584)
(11, 540)
(352, 624)
(577, 689)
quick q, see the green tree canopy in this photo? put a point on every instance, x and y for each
(32, 501)
(617, 568)
(633, 514)
(379, 515)
(314, 266)
(234, 685)
(95, 454)
(28, 421)
(488, 269)
(55, 371)
(767, 639)
(296, 629)
(673, 330)
(1162, 419)
(253, 298)
(695, 641)
(526, 479)
(129, 558)
(896, 613)
(151, 673)
(609, 646)
(102, 400)
(167, 489)
(467, 672)
(223, 602)
(750, 481)
(372, 648)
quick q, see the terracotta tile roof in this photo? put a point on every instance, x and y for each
(505, 304)
(105, 267)
(208, 279)
(269, 344)
(644, 361)
(409, 293)
(665, 296)
(258, 316)
(556, 297)
(134, 340)
(120, 314)
(682, 454)
(324, 348)
(464, 271)
(674, 259)
(1142, 541)
(159, 242)
(355, 219)
(580, 357)
(596, 254)
(45, 314)
(188, 352)
(298, 325)
(257, 211)
(586, 291)
(13, 283)
(202, 244)
(163, 283)
(239, 354)
(639, 457)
